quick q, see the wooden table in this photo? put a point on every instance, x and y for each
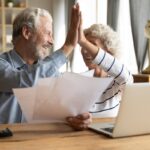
(61, 137)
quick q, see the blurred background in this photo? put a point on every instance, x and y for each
(127, 17)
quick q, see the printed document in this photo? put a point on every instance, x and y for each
(53, 99)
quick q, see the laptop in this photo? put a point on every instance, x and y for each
(133, 116)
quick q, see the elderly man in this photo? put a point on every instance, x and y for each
(30, 60)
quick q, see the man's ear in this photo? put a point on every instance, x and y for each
(26, 32)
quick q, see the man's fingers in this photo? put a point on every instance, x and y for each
(78, 124)
(75, 16)
(84, 116)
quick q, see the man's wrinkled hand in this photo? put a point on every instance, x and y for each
(80, 122)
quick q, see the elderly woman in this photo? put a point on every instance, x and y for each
(100, 50)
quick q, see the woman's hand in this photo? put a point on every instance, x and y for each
(81, 37)
(80, 122)
(84, 43)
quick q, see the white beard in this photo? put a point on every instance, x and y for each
(42, 54)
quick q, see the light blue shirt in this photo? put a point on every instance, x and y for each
(15, 73)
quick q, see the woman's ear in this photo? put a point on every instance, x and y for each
(26, 32)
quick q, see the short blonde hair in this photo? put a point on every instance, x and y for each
(107, 35)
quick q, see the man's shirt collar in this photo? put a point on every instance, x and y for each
(17, 61)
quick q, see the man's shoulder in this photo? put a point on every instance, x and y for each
(4, 55)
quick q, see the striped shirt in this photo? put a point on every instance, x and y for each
(107, 105)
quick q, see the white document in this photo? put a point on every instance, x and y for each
(89, 73)
(54, 99)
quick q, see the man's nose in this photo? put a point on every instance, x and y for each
(51, 40)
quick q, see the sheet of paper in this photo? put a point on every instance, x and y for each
(26, 98)
(54, 99)
(88, 73)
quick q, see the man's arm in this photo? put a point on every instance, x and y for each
(72, 36)
(27, 76)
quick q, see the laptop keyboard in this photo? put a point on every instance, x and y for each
(110, 129)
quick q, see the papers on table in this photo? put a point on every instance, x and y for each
(54, 99)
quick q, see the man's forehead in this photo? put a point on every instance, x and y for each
(45, 22)
(46, 19)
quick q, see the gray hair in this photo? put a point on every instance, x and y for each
(29, 17)
(107, 35)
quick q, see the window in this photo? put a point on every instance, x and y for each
(95, 11)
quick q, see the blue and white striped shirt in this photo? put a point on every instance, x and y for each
(108, 104)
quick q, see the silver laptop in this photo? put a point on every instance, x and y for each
(133, 115)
